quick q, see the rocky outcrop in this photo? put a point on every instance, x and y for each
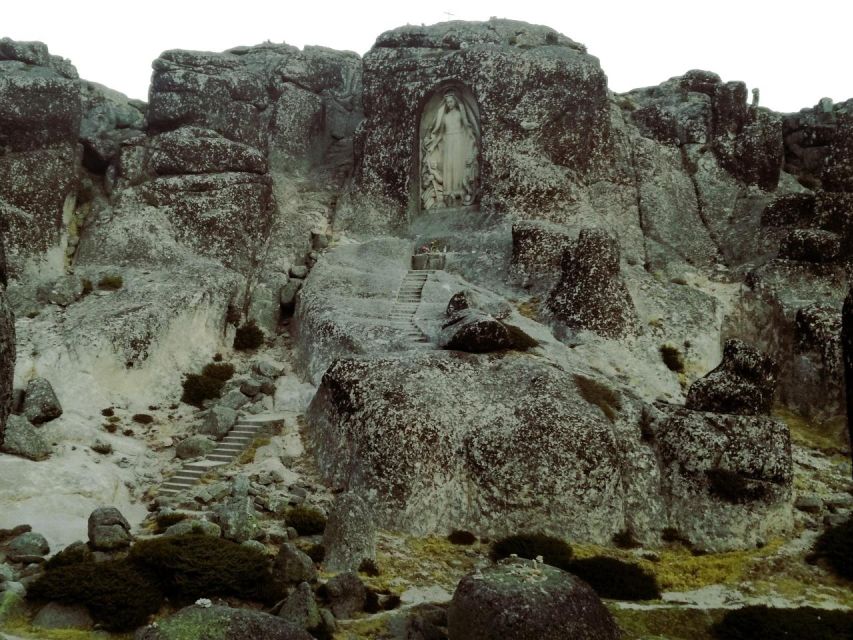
(727, 479)
(542, 104)
(482, 444)
(847, 351)
(521, 600)
(7, 346)
(537, 251)
(40, 114)
(699, 108)
(744, 383)
(591, 295)
(221, 622)
(474, 331)
(812, 137)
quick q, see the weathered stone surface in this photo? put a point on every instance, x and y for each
(521, 600)
(26, 545)
(108, 529)
(537, 250)
(591, 294)
(192, 525)
(109, 118)
(811, 245)
(743, 383)
(238, 519)
(40, 402)
(234, 399)
(20, 438)
(55, 615)
(194, 447)
(294, 566)
(300, 608)
(41, 111)
(476, 443)
(350, 534)
(727, 478)
(474, 332)
(218, 421)
(346, 595)
(542, 104)
(7, 348)
(221, 622)
(847, 353)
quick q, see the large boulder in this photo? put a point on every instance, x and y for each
(346, 594)
(542, 102)
(40, 402)
(350, 534)
(55, 615)
(293, 565)
(20, 438)
(481, 443)
(27, 545)
(475, 332)
(727, 479)
(218, 421)
(743, 383)
(591, 294)
(40, 113)
(238, 518)
(221, 622)
(108, 529)
(524, 600)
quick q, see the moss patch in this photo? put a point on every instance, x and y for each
(665, 623)
(602, 396)
(248, 456)
(826, 436)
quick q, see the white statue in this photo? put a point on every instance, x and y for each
(450, 153)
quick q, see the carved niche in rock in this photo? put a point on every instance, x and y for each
(450, 149)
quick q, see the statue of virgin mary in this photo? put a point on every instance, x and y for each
(450, 151)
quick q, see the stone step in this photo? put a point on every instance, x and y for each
(221, 457)
(228, 448)
(189, 473)
(184, 482)
(237, 440)
(261, 419)
(243, 433)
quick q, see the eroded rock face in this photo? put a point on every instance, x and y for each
(727, 479)
(22, 439)
(7, 346)
(591, 294)
(542, 103)
(40, 402)
(40, 114)
(350, 534)
(474, 331)
(523, 600)
(476, 443)
(744, 383)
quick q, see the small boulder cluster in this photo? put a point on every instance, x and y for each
(32, 407)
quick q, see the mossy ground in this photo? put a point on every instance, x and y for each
(666, 623)
(824, 436)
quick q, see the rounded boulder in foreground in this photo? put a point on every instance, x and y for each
(524, 600)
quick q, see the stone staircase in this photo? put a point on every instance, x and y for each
(406, 306)
(235, 442)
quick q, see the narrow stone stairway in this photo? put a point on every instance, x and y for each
(242, 434)
(406, 306)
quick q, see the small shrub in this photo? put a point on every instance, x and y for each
(218, 371)
(625, 539)
(248, 337)
(672, 358)
(114, 419)
(306, 521)
(110, 427)
(142, 418)
(670, 534)
(111, 283)
(615, 579)
(127, 432)
(767, 623)
(217, 357)
(835, 545)
(192, 566)
(108, 413)
(117, 595)
(77, 553)
(732, 487)
(368, 567)
(198, 388)
(462, 537)
(87, 286)
(554, 551)
(317, 552)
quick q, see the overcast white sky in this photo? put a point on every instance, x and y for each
(795, 51)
